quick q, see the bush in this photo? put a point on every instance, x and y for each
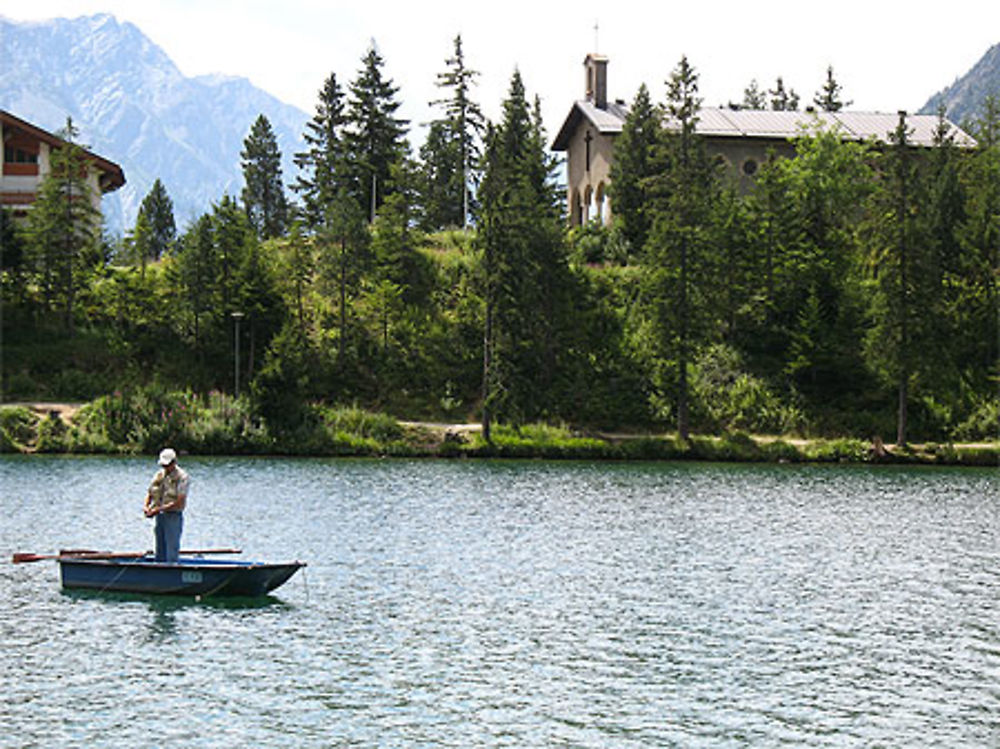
(52, 435)
(731, 399)
(983, 423)
(18, 425)
(144, 419)
(356, 421)
(838, 450)
(539, 441)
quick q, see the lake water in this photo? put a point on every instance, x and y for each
(519, 604)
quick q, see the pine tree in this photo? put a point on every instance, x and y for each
(322, 167)
(376, 138)
(63, 227)
(828, 98)
(898, 271)
(232, 234)
(782, 100)
(195, 273)
(451, 151)
(814, 213)
(263, 194)
(12, 260)
(678, 266)
(441, 179)
(753, 97)
(524, 264)
(632, 167)
(343, 258)
(939, 223)
(139, 242)
(974, 273)
(158, 210)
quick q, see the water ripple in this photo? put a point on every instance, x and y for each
(518, 604)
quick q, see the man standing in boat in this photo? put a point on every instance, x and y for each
(165, 500)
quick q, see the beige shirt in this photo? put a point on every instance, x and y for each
(166, 487)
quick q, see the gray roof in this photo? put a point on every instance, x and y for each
(877, 126)
(607, 121)
(747, 123)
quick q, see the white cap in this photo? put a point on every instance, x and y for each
(167, 456)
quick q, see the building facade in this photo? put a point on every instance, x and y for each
(742, 139)
(26, 162)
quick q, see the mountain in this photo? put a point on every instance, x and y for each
(963, 98)
(133, 106)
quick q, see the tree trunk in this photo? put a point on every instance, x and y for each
(683, 427)
(903, 413)
(487, 374)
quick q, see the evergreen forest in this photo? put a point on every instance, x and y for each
(852, 293)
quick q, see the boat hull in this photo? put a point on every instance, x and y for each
(186, 577)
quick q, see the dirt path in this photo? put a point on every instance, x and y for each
(66, 411)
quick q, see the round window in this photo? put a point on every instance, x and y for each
(750, 167)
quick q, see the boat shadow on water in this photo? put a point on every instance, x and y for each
(163, 619)
(159, 603)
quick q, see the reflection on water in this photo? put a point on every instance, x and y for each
(520, 604)
(170, 603)
(161, 611)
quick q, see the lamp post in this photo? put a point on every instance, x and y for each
(237, 316)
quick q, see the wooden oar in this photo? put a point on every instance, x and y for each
(22, 556)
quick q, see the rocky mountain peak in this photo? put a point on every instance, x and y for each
(133, 106)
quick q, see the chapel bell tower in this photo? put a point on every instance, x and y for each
(596, 67)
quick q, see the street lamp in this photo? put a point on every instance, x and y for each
(237, 316)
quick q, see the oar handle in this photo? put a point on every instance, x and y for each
(21, 557)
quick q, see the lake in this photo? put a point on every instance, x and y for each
(518, 604)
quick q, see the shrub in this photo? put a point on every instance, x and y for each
(52, 435)
(356, 421)
(732, 399)
(142, 418)
(19, 425)
(836, 450)
(983, 423)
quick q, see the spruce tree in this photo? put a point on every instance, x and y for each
(194, 269)
(263, 193)
(451, 151)
(939, 224)
(140, 242)
(64, 224)
(828, 98)
(974, 273)
(783, 100)
(232, 234)
(441, 179)
(753, 97)
(896, 261)
(524, 263)
(343, 259)
(376, 138)
(632, 167)
(322, 166)
(12, 260)
(678, 266)
(158, 211)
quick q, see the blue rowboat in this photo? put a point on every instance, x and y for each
(189, 576)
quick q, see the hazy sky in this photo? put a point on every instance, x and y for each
(887, 55)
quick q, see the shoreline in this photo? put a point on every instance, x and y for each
(53, 431)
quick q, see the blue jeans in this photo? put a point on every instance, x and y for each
(169, 526)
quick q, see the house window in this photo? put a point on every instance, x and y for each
(750, 167)
(14, 155)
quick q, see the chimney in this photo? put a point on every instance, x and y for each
(596, 67)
